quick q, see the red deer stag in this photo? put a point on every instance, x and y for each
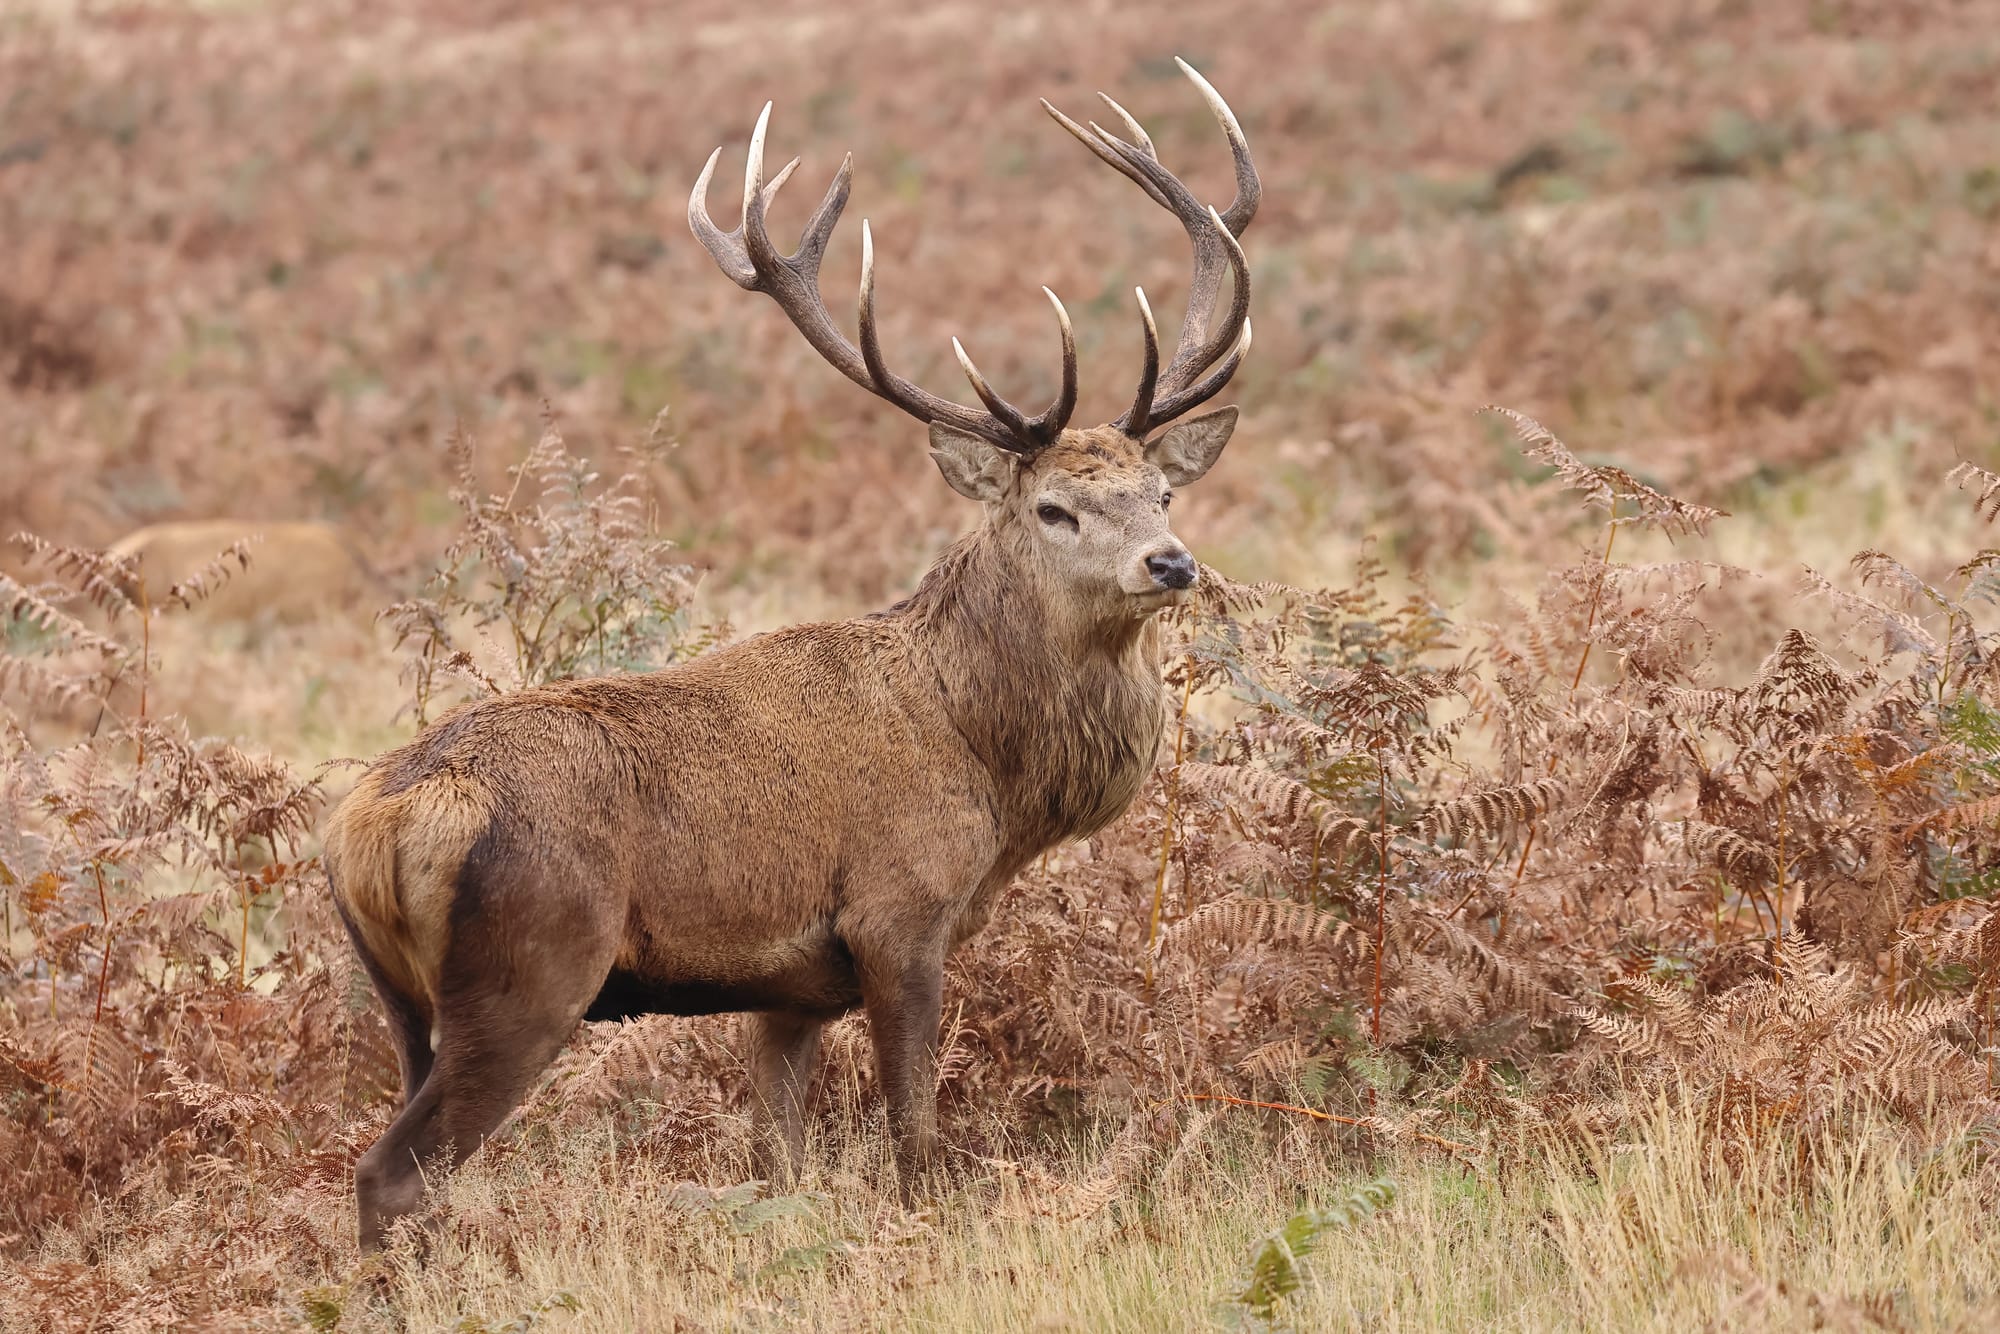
(811, 819)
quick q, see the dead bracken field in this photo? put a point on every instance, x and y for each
(1564, 898)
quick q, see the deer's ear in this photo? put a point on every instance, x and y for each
(977, 469)
(1186, 450)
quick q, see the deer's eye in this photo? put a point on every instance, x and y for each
(1053, 515)
(1166, 500)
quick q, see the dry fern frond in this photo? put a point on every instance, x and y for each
(1272, 795)
(1728, 851)
(33, 608)
(100, 577)
(1234, 923)
(1468, 971)
(1216, 594)
(212, 575)
(1605, 487)
(1047, 1196)
(1965, 476)
(1901, 632)
(1965, 814)
(1492, 812)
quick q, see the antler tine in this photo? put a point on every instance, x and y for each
(1214, 247)
(1002, 423)
(1046, 426)
(1209, 386)
(1009, 415)
(750, 260)
(1132, 127)
(1239, 306)
(719, 244)
(1051, 422)
(1249, 190)
(1212, 233)
(883, 380)
(1097, 142)
(819, 229)
(1138, 419)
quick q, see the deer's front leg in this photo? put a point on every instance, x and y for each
(904, 996)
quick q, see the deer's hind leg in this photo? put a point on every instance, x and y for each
(784, 1052)
(409, 1027)
(512, 993)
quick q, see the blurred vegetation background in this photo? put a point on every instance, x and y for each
(261, 258)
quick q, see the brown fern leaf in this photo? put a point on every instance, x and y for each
(1491, 812)
(213, 574)
(1800, 692)
(1233, 923)
(1901, 632)
(1075, 1201)
(1254, 863)
(1272, 795)
(1732, 853)
(32, 607)
(103, 579)
(1963, 815)
(1965, 476)
(1468, 971)
(1605, 487)
(1216, 594)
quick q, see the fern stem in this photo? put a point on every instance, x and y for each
(1575, 680)
(1381, 898)
(1312, 876)
(1167, 827)
(145, 663)
(103, 973)
(1596, 599)
(243, 939)
(1778, 910)
(1985, 997)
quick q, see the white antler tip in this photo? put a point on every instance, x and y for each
(753, 165)
(698, 197)
(971, 371)
(1214, 100)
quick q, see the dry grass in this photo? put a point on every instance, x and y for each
(1618, 893)
(599, 1229)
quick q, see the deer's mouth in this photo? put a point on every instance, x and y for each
(1159, 599)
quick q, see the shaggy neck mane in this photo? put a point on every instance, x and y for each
(1064, 712)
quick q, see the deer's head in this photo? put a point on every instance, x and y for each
(1082, 512)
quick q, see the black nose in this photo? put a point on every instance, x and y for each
(1171, 569)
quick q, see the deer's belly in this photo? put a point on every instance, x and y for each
(812, 972)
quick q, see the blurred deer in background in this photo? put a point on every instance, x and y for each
(812, 819)
(296, 571)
